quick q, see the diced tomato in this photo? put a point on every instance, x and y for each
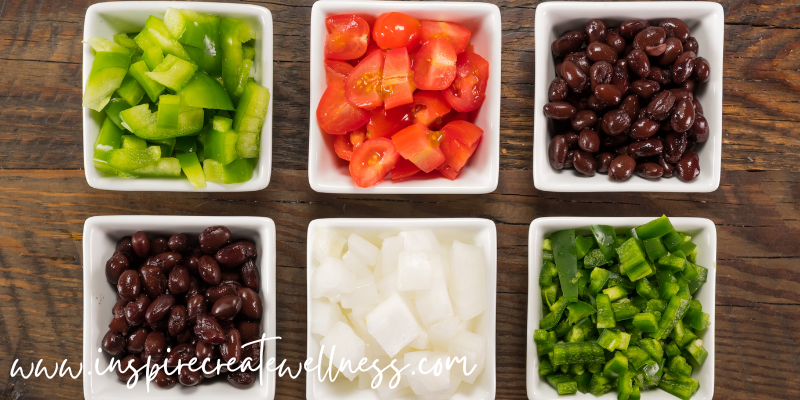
(372, 161)
(459, 141)
(385, 123)
(347, 37)
(469, 88)
(453, 115)
(420, 146)
(411, 56)
(394, 30)
(344, 144)
(429, 106)
(448, 172)
(435, 65)
(336, 69)
(457, 35)
(371, 47)
(363, 85)
(396, 89)
(403, 169)
(335, 115)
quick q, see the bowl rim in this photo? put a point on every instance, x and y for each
(265, 228)
(541, 227)
(547, 179)
(486, 182)
(263, 167)
(354, 224)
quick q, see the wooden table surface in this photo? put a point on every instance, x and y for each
(44, 197)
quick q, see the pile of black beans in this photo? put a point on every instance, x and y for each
(623, 100)
(181, 298)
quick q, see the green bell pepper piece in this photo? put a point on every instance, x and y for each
(681, 335)
(615, 279)
(610, 339)
(173, 72)
(221, 141)
(102, 44)
(233, 33)
(605, 312)
(128, 160)
(569, 387)
(682, 387)
(598, 279)
(108, 71)
(249, 51)
(679, 366)
(566, 262)
(655, 306)
(186, 144)
(167, 145)
(671, 349)
(578, 311)
(192, 28)
(556, 310)
(548, 256)
(625, 386)
(142, 122)
(167, 167)
(562, 328)
(153, 56)
(617, 366)
(130, 90)
(653, 348)
(547, 274)
(672, 241)
(156, 34)
(672, 315)
(637, 357)
(547, 245)
(133, 142)
(606, 240)
(126, 42)
(698, 320)
(689, 271)
(702, 277)
(113, 108)
(646, 289)
(615, 293)
(194, 171)
(108, 139)
(139, 72)
(249, 119)
(555, 379)
(237, 171)
(667, 284)
(645, 322)
(655, 228)
(640, 271)
(168, 110)
(582, 380)
(205, 92)
(672, 262)
(577, 353)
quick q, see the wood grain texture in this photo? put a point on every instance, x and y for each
(44, 198)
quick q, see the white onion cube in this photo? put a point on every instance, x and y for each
(422, 240)
(323, 316)
(441, 333)
(353, 263)
(427, 373)
(366, 251)
(433, 304)
(331, 279)
(341, 345)
(467, 286)
(389, 252)
(473, 347)
(393, 325)
(365, 293)
(328, 243)
(414, 271)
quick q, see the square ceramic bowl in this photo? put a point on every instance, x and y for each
(100, 236)
(329, 174)
(107, 19)
(474, 231)
(704, 235)
(707, 23)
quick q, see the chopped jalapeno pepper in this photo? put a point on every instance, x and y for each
(566, 262)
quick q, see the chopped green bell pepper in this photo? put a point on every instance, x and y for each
(605, 312)
(645, 322)
(682, 387)
(153, 56)
(126, 42)
(672, 262)
(582, 381)
(550, 294)
(637, 357)
(566, 262)
(167, 167)
(547, 274)
(556, 310)
(108, 71)
(612, 339)
(130, 90)
(139, 72)
(578, 311)
(544, 367)
(102, 44)
(186, 144)
(168, 110)
(697, 352)
(679, 366)
(624, 309)
(156, 34)
(600, 385)
(129, 160)
(143, 122)
(167, 145)
(203, 91)
(654, 248)
(173, 72)
(617, 366)
(249, 119)
(108, 139)
(113, 108)
(630, 255)
(233, 33)
(653, 348)
(615, 293)
(221, 141)
(672, 315)
(200, 35)
(133, 142)
(238, 171)
(583, 244)
(594, 258)
(193, 170)
(598, 279)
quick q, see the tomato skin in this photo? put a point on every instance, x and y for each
(385, 123)
(429, 106)
(347, 37)
(448, 172)
(372, 161)
(459, 141)
(420, 146)
(469, 87)
(371, 47)
(335, 115)
(336, 69)
(344, 144)
(403, 169)
(435, 65)
(363, 85)
(393, 30)
(457, 35)
(396, 87)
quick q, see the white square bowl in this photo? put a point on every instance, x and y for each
(100, 236)
(474, 231)
(707, 23)
(107, 19)
(704, 235)
(329, 174)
